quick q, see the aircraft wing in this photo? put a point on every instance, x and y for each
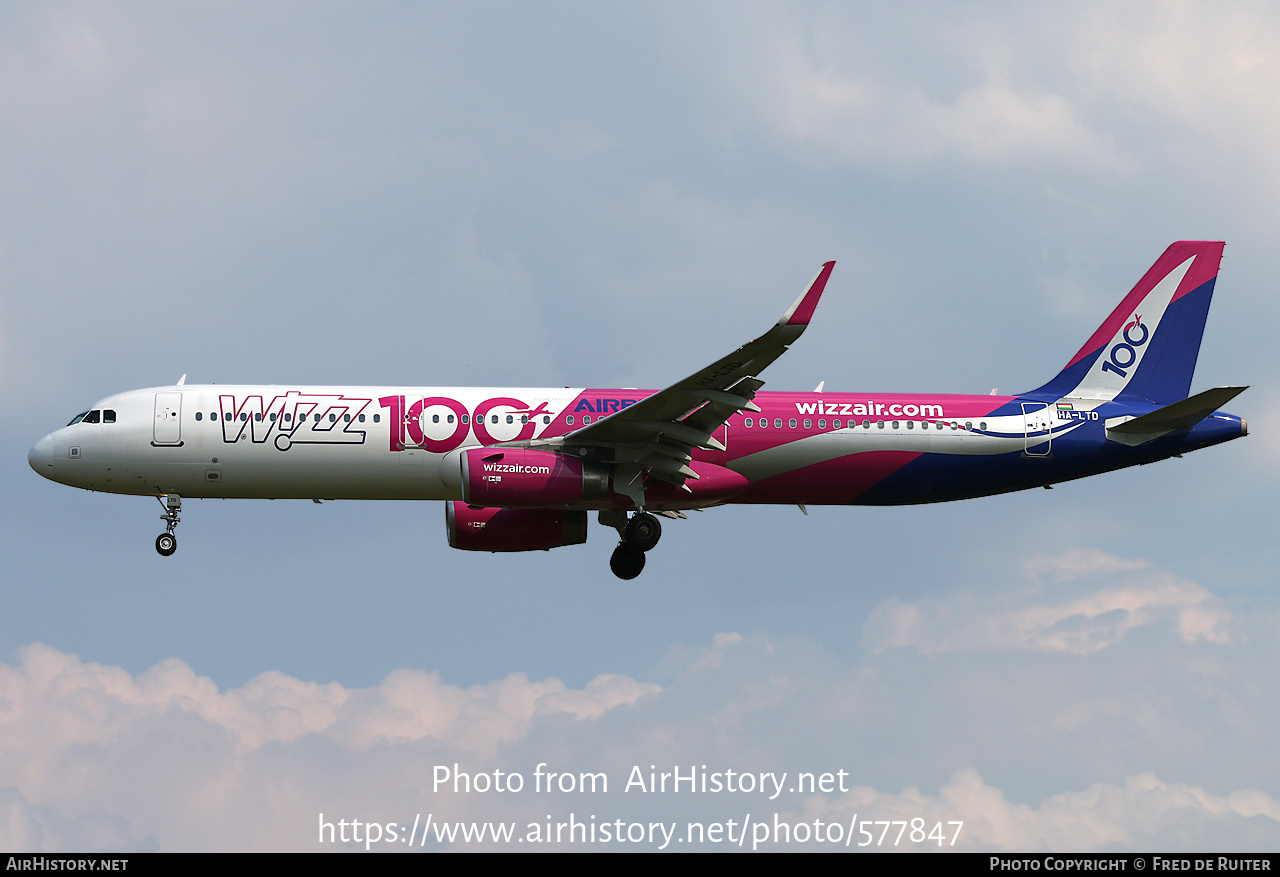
(656, 436)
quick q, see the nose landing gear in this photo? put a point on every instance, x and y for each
(167, 542)
(639, 534)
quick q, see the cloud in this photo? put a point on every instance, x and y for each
(84, 745)
(92, 757)
(1143, 812)
(1078, 602)
(816, 88)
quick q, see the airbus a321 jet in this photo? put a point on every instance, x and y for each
(520, 469)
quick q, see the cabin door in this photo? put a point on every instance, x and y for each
(1037, 429)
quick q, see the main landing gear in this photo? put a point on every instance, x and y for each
(167, 542)
(639, 534)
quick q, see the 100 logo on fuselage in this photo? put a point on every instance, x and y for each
(409, 429)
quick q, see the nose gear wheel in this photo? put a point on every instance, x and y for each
(167, 542)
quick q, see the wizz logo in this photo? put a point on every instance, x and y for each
(294, 418)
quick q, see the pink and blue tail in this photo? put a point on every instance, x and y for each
(1147, 348)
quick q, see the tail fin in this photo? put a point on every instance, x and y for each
(1149, 345)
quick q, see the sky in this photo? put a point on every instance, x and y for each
(575, 194)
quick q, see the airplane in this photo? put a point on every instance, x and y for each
(520, 469)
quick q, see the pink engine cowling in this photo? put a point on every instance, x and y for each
(521, 478)
(488, 529)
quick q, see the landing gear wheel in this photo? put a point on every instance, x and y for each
(167, 542)
(627, 562)
(642, 532)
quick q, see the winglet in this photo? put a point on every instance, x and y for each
(802, 310)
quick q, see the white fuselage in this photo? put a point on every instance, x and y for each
(281, 442)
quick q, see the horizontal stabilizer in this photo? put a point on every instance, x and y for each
(1170, 418)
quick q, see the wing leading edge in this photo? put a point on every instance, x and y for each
(657, 435)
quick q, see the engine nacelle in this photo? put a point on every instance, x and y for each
(521, 478)
(472, 529)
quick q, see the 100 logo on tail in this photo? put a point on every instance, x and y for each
(1128, 347)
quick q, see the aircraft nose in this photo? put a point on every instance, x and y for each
(41, 456)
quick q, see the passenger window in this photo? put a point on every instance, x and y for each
(227, 416)
(983, 426)
(777, 423)
(435, 418)
(569, 420)
(272, 415)
(808, 424)
(466, 418)
(866, 424)
(495, 419)
(968, 424)
(510, 419)
(108, 415)
(835, 424)
(92, 417)
(257, 416)
(199, 415)
(333, 418)
(317, 418)
(360, 417)
(792, 423)
(747, 422)
(879, 424)
(346, 418)
(524, 418)
(822, 424)
(895, 424)
(545, 419)
(910, 425)
(586, 418)
(377, 418)
(244, 416)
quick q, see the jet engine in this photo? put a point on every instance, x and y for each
(521, 478)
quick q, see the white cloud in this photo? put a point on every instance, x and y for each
(1078, 602)
(814, 88)
(92, 757)
(1103, 88)
(1141, 813)
(166, 754)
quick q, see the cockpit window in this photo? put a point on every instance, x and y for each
(79, 417)
(108, 415)
(92, 417)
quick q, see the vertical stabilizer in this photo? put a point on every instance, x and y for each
(1149, 345)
